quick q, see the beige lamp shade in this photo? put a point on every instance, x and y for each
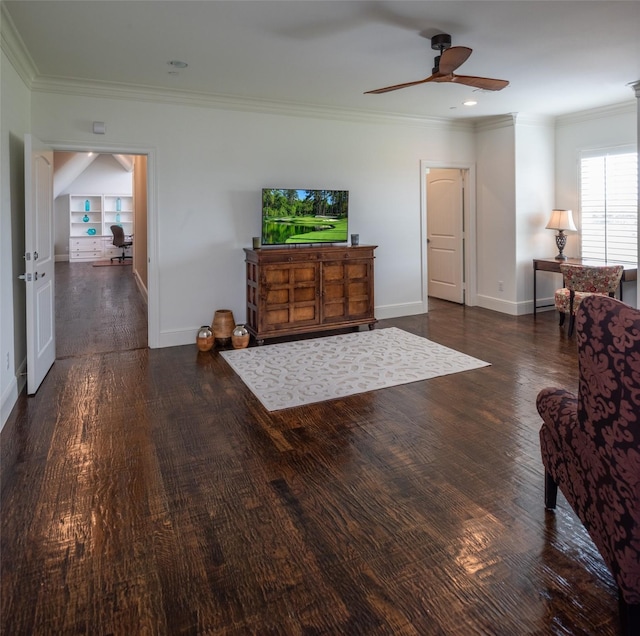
(561, 220)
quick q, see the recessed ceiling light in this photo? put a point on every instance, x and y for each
(470, 102)
(177, 64)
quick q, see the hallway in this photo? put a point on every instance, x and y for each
(98, 310)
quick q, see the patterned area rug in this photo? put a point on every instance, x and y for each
(295, 373)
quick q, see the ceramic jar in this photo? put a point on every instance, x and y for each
(204, 340)
(223, 324)
(240, 337)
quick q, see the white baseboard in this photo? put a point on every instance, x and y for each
(177, 338)
(513, 308)
(498, 304)
(9, 399)
(397, 311)
(141, 287)
(11, 393)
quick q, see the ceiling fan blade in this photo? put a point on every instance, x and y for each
(395, 87)
(485, 83)
(452, 58)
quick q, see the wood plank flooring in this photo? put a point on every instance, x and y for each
(149, 492)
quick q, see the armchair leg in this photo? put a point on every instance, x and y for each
(562, 315)
(550, 491)
(629, 616)
(572, 322)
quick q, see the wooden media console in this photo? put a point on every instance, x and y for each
(305, 289)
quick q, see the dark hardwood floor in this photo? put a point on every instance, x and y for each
(148, 491)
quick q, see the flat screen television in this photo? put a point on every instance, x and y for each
(292, 217)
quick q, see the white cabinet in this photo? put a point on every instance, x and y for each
(90, 219)
(87, 248)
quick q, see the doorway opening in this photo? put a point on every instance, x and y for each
(92, 192)
(448, 218)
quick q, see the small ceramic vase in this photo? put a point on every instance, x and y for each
(222, 326)
(240, 337)
(205, 338)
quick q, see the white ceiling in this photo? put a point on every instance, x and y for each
(559, 56)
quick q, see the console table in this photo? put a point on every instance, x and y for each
(553, 265)
(305, 289)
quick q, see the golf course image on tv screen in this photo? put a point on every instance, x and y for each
(304, 216)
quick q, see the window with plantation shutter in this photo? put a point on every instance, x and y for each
(609, 206)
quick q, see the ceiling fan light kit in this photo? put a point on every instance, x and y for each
(450, 58)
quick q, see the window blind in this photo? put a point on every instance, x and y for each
(609, 206)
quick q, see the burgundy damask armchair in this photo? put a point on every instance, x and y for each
(590, 444)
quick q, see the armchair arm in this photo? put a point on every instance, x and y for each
(558, 409)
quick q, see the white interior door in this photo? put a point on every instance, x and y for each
(445, 227)
(39, 261)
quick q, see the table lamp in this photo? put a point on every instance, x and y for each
(561, 220)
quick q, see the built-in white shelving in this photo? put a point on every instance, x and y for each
(90, 219)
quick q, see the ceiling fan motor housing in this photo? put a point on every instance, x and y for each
(441, 42)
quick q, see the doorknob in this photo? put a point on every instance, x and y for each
(25, 277)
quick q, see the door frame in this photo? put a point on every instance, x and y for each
(153, 295)
(469, 235)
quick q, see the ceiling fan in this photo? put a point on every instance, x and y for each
(450, 58)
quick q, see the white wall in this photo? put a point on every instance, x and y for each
(535, 194)
(496, 218)
(103, 176)
(14, 123)
(515, 193)
(602, 128)
(210, 167)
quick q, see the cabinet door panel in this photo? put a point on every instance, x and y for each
(333, 272)
(357, 271)
(346, 291)
(290, 297)
(276, 317)
(277, 297)
(304, 294)
(304, 314)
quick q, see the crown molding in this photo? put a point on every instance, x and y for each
(612, 110)
(494, 123)
(527, 119)
(13, 47)
(113, 90)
